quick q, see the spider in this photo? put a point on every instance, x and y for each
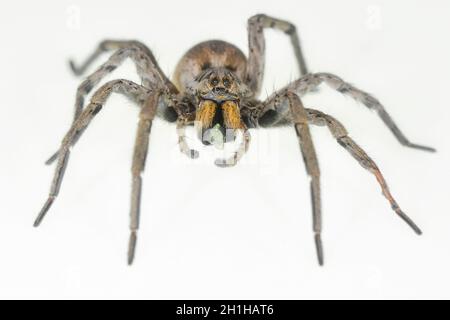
(215, 88)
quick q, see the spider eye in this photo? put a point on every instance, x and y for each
(215, 81)
(226, 83)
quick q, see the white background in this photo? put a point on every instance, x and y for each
(237, 233)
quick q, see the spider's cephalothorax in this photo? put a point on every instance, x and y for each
(212, 74)
(216, 89)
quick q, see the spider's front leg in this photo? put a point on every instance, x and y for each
(141, 96)
(256, 57)
(295, 113)
(139, 157)
(300, 120)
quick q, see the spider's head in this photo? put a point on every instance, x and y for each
(219, 85)
(219, 92)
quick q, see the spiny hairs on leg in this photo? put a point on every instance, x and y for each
(311, 81)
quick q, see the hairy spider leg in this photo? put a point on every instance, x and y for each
(300, 120)
(138, 94)
(256, 57)
(146, 66)
(340, 134)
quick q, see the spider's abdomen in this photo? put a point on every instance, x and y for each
(205, 55)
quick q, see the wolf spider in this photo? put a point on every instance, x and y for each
(216, 89)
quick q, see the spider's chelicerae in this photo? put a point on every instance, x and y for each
(216, 89)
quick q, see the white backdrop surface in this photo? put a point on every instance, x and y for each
(236, 233)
